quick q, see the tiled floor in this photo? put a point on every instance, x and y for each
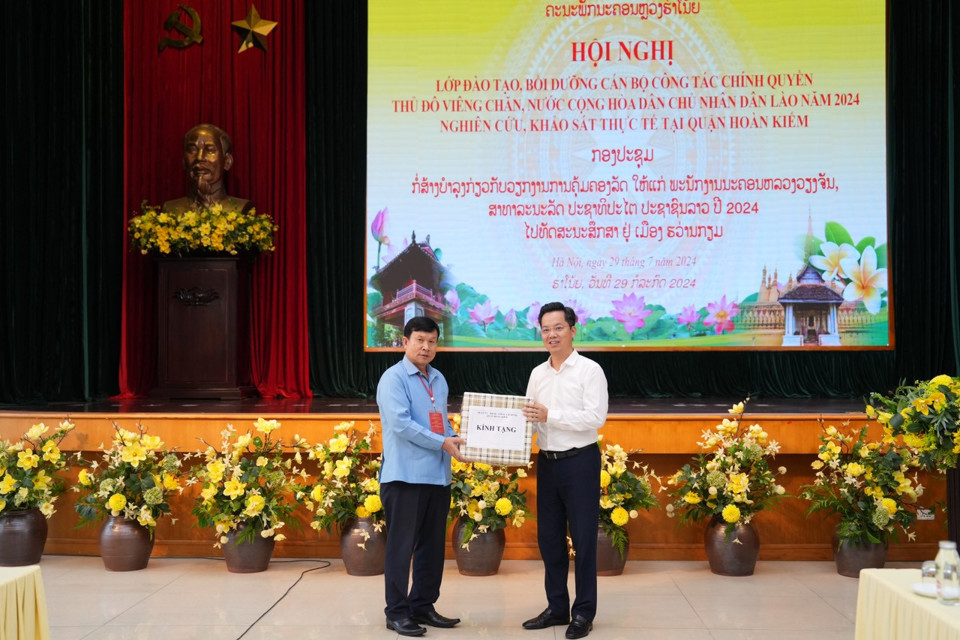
(177, 598)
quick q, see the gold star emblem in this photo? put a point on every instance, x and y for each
(254, 30)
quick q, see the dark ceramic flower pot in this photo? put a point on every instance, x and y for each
(23, 535)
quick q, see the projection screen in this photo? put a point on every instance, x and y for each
(685, 175)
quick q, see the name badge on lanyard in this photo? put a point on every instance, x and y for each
(436, 418)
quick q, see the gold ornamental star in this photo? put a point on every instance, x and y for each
(254, 30)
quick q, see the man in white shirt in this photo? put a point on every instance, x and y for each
(569, 406)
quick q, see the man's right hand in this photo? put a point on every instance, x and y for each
(452, 446)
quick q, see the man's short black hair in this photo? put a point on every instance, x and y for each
(421, 323)
(569, 314)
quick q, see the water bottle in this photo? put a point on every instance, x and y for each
(948, 574)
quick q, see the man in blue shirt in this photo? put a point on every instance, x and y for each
(418, 443)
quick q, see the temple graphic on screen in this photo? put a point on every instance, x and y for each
(410, 286)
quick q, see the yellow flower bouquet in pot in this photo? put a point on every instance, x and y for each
(129, 486)
(346, 497)
(927, 416)
(30, 483)
(246, 494)
(868, 485)
(727, 485)
(483, 499)
(624, 492)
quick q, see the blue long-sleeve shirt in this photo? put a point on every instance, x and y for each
(411, 451)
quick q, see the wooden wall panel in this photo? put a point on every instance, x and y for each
(665, 442)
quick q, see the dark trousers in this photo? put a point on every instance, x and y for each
(416, 516)
(568, 495)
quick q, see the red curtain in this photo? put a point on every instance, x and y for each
(257, 97)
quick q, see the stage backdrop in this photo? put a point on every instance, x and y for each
(257, 97)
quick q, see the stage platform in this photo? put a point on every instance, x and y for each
(662, 433)
(655, 425)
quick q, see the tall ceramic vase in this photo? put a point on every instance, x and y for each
(363, 548)
(483, 554)
(247, 555)
(125, 545)
(609, 560)
(852, 556)
(22, 537)
(734, 554)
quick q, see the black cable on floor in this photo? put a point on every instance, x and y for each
(326, 563)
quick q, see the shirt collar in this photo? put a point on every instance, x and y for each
(411, 369)
(571, 361)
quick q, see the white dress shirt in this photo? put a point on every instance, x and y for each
(576, 400)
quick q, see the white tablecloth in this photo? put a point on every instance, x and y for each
(23, 604)
(887, 608)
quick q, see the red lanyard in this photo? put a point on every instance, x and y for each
(429, 390)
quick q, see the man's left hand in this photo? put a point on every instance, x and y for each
(535, 412)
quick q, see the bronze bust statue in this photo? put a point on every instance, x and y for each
(207, 158)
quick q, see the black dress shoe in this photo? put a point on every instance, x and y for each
(434, 619)
(546, 619)
(405, 627)
(579, 627)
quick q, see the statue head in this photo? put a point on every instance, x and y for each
(206, 158)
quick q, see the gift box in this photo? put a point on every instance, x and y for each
(495, 429)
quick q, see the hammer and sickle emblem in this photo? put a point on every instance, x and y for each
(191, 35)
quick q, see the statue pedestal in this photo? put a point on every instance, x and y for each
(204, 343)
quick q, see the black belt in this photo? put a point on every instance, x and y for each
(560, 455)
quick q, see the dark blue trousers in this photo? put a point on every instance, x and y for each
(568, 496)
(416, 516)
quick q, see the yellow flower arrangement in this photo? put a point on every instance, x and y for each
(347, 487)
(134, 479)
(732, 480)
(30, 467)
(485, 496)
(209, 230)
(623, 493)
(247, 485)
(865, 483)
(927, 417)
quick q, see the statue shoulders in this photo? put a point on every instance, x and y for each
(230, 203)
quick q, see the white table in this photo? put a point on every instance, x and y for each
(23, 604)
(887, 608)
